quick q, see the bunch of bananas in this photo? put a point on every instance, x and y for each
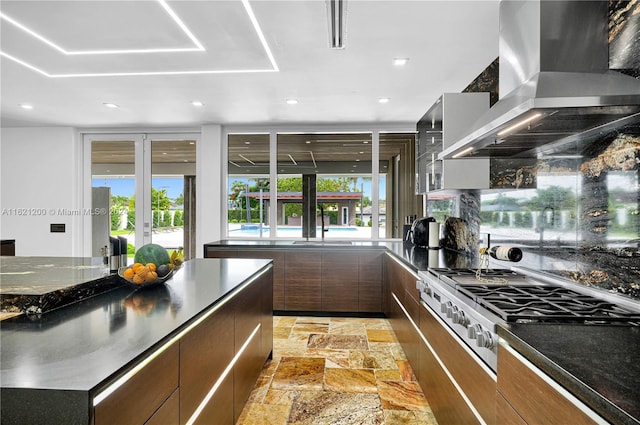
(177, 258)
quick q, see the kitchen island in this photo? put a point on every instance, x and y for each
(135, 353)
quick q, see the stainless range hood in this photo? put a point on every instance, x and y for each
(558, 89)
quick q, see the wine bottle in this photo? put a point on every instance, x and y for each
(506, 253)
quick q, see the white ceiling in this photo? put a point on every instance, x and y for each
(218, 58)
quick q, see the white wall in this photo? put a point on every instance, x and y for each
(39, 175)
(209, 195)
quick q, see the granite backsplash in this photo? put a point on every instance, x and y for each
(579, 208)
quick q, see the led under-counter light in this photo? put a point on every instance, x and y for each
(463, 152)
(519, 124)
(198, 48)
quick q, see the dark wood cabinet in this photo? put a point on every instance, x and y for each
(205, 352)
(278, 271)
(340, 281)
(139, 397)
(478, 385)
(168, 413)
(403, 308)
(303, 277)
(370, 281)
(8, 247)
(318, 279)
(526, 392)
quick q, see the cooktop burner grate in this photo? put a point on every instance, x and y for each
(453, 273)
(546, 304)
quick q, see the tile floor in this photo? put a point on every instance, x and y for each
(337, 371)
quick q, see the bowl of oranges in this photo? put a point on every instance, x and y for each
(143, 275)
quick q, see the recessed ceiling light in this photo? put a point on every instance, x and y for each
(384, 100)
(110, 105)
(292, 101)
(197, 103)
(247, 143)
(26, 106)
(308, 142)
(400, 61)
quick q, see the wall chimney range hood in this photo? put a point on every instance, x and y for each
(554, 74)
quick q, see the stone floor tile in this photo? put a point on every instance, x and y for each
(350, 381)
(299, 373)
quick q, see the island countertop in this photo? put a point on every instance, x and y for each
(83, 347)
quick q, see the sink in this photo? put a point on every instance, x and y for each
(323, 243)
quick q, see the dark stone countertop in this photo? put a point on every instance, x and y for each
(41, 284)
(597, 363)
(415, 257)
(7, 241)
(83, 347)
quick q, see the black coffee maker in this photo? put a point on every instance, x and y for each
(419, 232)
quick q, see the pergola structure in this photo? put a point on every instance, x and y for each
(346, 202)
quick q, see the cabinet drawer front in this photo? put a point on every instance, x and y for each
(446, 402)
(474, 380)
(135, 401)
(205, 352)
(168, 413)
(536, 397)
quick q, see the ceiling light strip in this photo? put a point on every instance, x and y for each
(174, 16)
(32, 33)
(181, 24)
(23, 63)
(199, 47)
(263, 40)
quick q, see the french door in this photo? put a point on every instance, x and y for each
(148, 181)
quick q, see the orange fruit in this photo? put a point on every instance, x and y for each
(151, 276)
(128, 273)
(151, 266)
(137, 266)
(138, 279)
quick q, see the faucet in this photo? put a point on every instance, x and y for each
(322, 221)
(543, 220)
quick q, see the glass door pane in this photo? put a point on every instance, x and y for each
(248, 195)
(113, 184)
(172, 193)
(340, 164)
